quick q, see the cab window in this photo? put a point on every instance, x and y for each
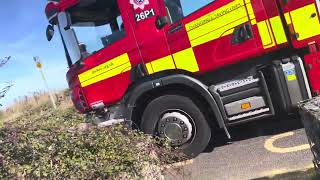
(97, 36)
(95, 25)
(178, 9)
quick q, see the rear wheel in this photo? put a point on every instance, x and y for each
(178, 119)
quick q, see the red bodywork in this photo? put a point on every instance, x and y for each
(144, 43)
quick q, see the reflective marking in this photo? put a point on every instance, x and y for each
(253, 22)
(149, 68)
(162, 64)
(265, 34)
(270, 147)
(216, 15)
(186, 60)
(219, 23)
(106, 70)
(288, 18)
(303, 22)
(278, 30)
(250, 10)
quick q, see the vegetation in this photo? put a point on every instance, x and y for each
(5, 88)
(37, 142)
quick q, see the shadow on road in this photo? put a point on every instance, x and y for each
(264, 127)
(297, 175)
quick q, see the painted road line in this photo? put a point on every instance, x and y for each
(276, 172)
(269, 144)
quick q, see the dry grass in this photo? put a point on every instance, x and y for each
(38, 142)
(38, 102)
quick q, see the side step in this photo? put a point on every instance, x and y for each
(243, 99)
(251, 113)
(236, 86)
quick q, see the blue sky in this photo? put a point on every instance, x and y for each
(22, 36)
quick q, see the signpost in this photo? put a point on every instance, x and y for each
(39, 66)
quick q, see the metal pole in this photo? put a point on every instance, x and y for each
(39, 66)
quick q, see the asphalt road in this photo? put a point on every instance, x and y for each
(259, 149)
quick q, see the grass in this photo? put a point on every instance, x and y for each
(39, 101)
(38, 142)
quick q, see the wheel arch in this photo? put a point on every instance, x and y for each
(148, 90)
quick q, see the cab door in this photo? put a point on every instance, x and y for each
(150, 40)
(209, 34)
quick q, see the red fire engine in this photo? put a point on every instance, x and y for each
(179, 68)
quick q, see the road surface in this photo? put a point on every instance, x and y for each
(259, 149)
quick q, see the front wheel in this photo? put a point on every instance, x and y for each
(178, 119)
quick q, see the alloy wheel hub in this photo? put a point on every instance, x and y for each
(176, 127)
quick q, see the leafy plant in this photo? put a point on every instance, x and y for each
(47, 144)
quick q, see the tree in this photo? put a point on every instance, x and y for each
(7, 86)
(5, 89)
(4, 61)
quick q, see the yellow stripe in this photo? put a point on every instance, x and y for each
(288, 18)
(265, 34)
(162, 64)
(304, 25)
(218, 23)
(216, 14)
(186, 60)
(278, 30)
(106, 70)
(149, 68)
(253, 22)
(250, 11)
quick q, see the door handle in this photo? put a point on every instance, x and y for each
(175, 28)
(242, 34)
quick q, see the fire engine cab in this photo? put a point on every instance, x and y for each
(179, 68)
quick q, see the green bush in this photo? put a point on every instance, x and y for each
(45, 145)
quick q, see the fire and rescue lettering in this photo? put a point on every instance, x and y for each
(218, 23)
(211, 26)
(105, 66)
(106, 70)
(213, 16)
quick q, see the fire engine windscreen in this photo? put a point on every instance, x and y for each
(95, 27)
(97, 36)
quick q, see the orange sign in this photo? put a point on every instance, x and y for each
(39, 65)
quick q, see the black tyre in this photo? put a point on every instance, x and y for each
(180, 120)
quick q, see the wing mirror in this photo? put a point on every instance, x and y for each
(161, 21)
(50, 32)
